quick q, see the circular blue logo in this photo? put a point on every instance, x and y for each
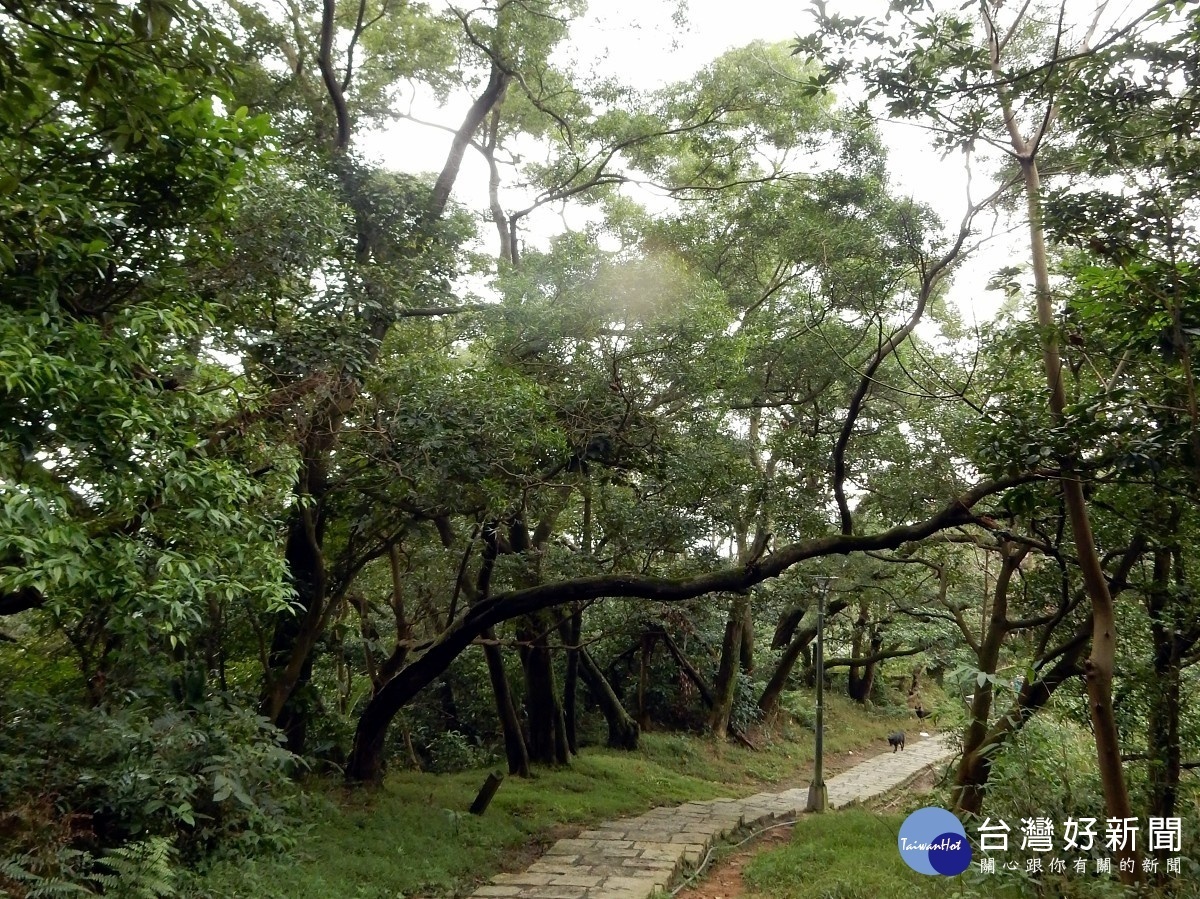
(933, 841)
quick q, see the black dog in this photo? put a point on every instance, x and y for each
(896, 740)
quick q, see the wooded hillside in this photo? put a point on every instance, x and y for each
(311, 465)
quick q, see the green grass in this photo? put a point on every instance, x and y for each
(413, 836)
(852, 854)
(844, 855)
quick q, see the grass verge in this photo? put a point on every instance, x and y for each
(849, 854)
(413, 837)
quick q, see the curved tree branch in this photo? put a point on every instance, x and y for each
(931, 276)
(492, 92)
(871, 659)
(366, 759)
(325, 60)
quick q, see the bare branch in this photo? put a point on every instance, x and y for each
(332, 85)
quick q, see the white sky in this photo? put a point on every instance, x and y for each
(636, 41)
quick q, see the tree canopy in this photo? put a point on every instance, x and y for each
(307, 461)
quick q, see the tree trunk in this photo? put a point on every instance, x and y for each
(562, 749)
(1162, 738)
(572, 630)
(768, 703)
(515, 750)
(861, 678)
(1098, 669)
(975, 768)
(365, 764)
(706, 694)
(547, 729)
(623, 731)
(975, 764)
(856, 644)
(725, 688)
(689, 670)
(747, 642)
(572, 635)
(296, 632)
(785, 628)
(915, 684)
(499, 219)
(802, 628)
(483, 104)
(860, 685)
(643, 708)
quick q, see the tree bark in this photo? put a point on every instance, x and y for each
(497, 82)
(803, 632)
(572, 630)
(515, 751)
(747, 647)
(297, 630)
(859, 686)
(365, 764)
(706, 693)
(861, 678)
(623, 731)
(1099, 667)
(975, 767)
(647, 653)
(544, 714)
(689, 670)
(1162, 726)
(976, 761)
(768, 702)
(725, 688)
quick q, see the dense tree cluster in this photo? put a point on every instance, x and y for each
(296, 472)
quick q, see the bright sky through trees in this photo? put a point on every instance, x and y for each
(641, 42)
(279, 495)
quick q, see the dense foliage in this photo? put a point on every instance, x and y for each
(307, 466)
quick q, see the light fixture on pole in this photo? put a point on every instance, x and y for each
(818, 795)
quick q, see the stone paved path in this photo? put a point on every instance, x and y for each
(633, 857)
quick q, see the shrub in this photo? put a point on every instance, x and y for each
(139, 781)
(1049, 770)
(745, 711)
(453, 751)
(800, 706)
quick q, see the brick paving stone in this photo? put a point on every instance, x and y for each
(577, 880)
(557, 867)
(554, 891)
(524, 879)
(632, 857)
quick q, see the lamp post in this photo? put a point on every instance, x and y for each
(818, 795)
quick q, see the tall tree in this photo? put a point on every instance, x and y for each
(134, 481)
(997, 80)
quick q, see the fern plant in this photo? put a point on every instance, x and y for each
(141, 870)
(46, 875)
